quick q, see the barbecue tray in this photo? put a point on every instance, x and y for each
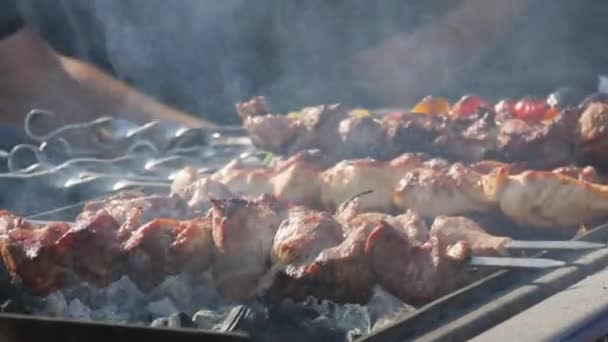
(457, 316)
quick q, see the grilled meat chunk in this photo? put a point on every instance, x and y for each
(412, 271)
(352, 177)
(243, 233)
(294, 180)
(94, 249)
(587, 173)
(31, 253)
(539, 145)
(592, 135)
(550, 200)
(303, 234)
(119, 206)
(453, 191)
(409, 223)
(164, 247)
(342, 273)
(361, 137)
(467, 139)
(256, 106)
(310, 128)
(459, 228)
(298, 241)
(482, 135)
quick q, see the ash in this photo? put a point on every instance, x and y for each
(181, 301)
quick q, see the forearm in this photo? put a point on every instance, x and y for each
(407, 66)
(116, 97)
(33, 75)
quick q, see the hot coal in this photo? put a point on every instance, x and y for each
(176, 320)
(185, 302)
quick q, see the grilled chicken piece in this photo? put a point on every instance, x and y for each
(299, 240)
(412, 271)
(587, 173)
(458, 228)
(294, 180)
(243, 233)
(453, 191)
(32, 254)
(550, 200)
(352, 177)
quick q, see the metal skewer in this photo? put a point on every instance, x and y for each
(507, 262)
(566, 245)
(475, 261)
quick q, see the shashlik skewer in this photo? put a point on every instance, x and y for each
(341, 132)
(239, 239)
(432, 187)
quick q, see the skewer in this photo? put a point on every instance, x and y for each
(508, 262)
(504, 262)
(565, 245)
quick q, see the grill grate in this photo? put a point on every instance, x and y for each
(128, 156)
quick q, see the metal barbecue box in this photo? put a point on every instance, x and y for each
(53, 177)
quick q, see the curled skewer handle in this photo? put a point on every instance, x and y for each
(23, 156)
(35, 114)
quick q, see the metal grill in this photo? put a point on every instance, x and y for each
(51, 178)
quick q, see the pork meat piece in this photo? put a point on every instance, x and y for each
(165, 247)
(32, 255)
(458, 228)
(342, 273)
(298, 241)
(121, 205)
(414, 132)
(294, 180)
(592, 134)
(243, 232)
(410, 223)
(412, 271)
(364, 137)
(467, 139)
(256, 106)
(94, 249)
(538, 145)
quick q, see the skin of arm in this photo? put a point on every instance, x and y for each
(405, 67)
(33, 75)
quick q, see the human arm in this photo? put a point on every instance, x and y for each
(33, 75)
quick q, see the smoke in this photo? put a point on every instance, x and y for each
(204, 55)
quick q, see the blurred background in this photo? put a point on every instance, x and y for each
(202, 56)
